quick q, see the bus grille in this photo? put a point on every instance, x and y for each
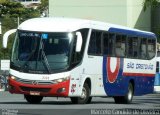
(44, 90)
(39, 82)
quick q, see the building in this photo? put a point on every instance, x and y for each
(156, 20)
(123, 12)
(29, 3)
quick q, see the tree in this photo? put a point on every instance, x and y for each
(43, 7)
(150, 3)
(10, 12)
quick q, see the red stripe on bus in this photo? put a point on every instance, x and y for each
(139, 74)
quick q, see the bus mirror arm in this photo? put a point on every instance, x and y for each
(79, 41)
(6, 35)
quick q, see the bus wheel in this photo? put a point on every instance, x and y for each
(118, 99)
(127, 98)
(85, 96)
(33, 99)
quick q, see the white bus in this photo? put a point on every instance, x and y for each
(80, 59)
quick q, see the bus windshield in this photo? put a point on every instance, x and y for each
(38, 52)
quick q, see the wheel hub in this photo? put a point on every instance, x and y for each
(84, 93)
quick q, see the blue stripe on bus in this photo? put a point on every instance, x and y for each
(118, 87)
(142, 85)
(132, 32)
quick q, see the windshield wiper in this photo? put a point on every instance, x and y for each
(46, 62)
(44, 57)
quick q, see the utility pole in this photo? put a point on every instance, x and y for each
(17, 21)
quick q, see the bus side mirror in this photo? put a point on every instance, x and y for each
(6, 35)
(79, 42)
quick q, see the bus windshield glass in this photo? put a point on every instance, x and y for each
(38, 52)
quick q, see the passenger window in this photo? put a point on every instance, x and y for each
(120, 47)
(143, 48)
(95, 43)
(151, 48)
(130, 48)
(133, 47)
(78, 56)
(157, 67)
(108, 43)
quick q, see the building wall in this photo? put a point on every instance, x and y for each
(137, 17)
(123, 12)
(103, 10)
(156, 20)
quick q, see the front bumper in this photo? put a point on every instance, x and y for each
(53, 90)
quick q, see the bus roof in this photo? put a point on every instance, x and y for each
(61, 24)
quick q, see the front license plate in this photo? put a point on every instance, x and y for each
(34, 93)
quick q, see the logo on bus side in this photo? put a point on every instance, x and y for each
(112, 68)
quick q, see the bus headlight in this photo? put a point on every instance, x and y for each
(13, 77)
(61, 80)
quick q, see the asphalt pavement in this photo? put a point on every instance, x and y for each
(13, 104)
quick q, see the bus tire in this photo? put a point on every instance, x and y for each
(85, 97)
(118, 99)
(89, 100)
(127, 98)
(33, 99)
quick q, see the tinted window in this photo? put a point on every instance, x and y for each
(132, 47)
(95, 43)
(108, 44)
(143, 48)
(157, 67)
(77, 56)
(151, 48)
(120, 46)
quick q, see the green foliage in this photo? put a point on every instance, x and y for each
(13, 9)
(153, 4)
(44, 5)
(150, 3)
(10, 12)
(7, 24)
